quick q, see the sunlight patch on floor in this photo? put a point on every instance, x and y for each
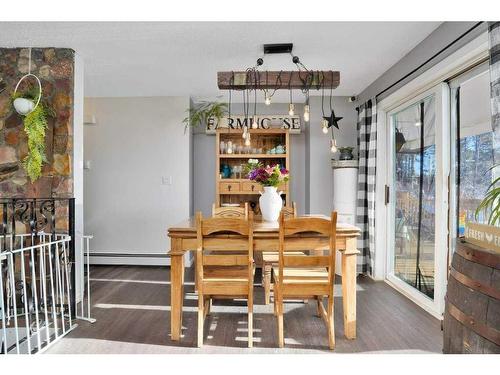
(131, 307)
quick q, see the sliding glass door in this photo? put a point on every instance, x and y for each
(475, 150)
(417, 184)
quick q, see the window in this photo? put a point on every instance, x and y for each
(477, 150)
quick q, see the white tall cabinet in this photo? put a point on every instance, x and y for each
(345, 188)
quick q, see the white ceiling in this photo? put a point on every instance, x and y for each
(182, 58)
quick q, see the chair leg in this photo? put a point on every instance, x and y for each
(275, 302)
(331, 326)
(266, 280)
(207, 306)
(319, 301)
(281, 335)
(195, 276)
(250, 320)
(201, 317)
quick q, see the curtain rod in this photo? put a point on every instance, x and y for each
(428, 60)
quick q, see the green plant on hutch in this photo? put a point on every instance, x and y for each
(204, 110)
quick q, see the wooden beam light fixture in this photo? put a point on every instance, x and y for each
(253, 79)
(276, 80)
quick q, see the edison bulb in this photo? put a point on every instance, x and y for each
(244, 134)
(247, 141)
(324, 126)
(291, 109)
(333, 145)
(255, 124)
(306, 113)
(267, 100)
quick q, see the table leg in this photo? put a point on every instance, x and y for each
(349, 287)
(176, 289)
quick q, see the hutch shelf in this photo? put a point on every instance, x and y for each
(232, 186)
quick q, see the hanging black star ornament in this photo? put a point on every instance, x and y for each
(333, 120)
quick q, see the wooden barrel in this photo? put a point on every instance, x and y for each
(472, 313)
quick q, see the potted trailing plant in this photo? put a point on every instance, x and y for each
(346, 153)
(202, 112)
(270, 177)
(34, 111)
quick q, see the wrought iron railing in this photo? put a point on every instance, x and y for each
(37, 272)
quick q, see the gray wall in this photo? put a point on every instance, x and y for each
(128, 205)
(321, 174)
(311, 173)
(445, 34)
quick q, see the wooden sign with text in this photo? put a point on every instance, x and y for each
(290, 123)
(482, 235)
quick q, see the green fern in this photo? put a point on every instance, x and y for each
(35, 124)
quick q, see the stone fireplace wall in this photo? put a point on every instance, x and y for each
(55, 68)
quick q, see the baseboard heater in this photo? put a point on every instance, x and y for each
(129, 255)
(142, 259)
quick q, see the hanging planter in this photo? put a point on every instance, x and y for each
(28, 104)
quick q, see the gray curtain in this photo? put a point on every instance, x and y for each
(365, 213)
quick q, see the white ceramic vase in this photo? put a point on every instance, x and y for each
(270, 204)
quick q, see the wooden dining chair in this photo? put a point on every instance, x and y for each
(270, 258)
(226, 212)
(230, 212)
(305, 276)
(228, 272)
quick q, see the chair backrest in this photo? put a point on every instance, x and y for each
(228, 238)
(290, 211)
(230, 212)
(293, 231)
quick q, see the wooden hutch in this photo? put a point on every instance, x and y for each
(232, 186)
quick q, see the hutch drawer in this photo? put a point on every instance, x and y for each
(229, 187)
(250, 187)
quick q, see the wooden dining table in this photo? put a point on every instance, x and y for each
(183, 240)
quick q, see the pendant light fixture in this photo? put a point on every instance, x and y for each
(291, 106)
(332, 119)
(307, 109)
(333, 144)
(229, 105)
(267, 97)
(300, 79)
(324, 126)
(255, 124)
(324, 121)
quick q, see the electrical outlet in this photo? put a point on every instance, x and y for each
(166, 180)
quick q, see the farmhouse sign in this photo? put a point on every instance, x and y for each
(485, 236)
(292, 123)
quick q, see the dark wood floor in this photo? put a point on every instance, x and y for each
(131, 305)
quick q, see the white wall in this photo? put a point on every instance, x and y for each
(78, 161)
(136, 143)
